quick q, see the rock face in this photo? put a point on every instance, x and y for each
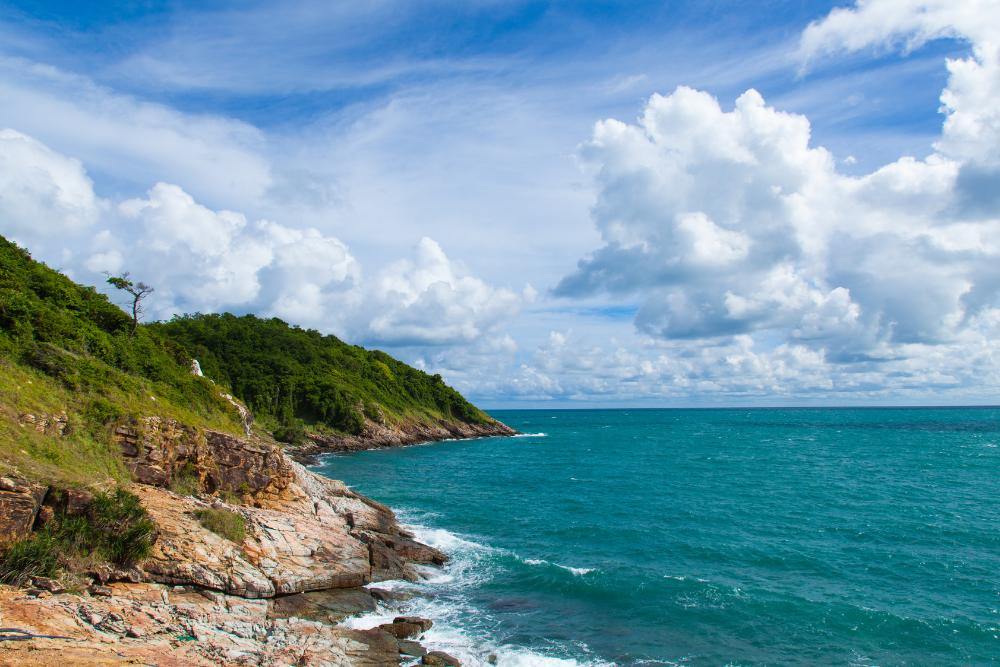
(155, 624)
(159, 451)
(303, 532)
(20, 501)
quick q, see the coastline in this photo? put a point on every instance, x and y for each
(379, 436)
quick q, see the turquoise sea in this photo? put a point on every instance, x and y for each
(708, 537)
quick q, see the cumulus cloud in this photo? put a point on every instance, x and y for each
(432, 300)
(731, 223)
(205, 260)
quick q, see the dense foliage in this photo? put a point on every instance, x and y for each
(76, 335)
(289, 373)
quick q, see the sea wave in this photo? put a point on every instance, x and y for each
(576, 571)
(531, 435)
(460, 627)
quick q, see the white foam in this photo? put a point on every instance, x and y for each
(460, 628)
(531, 435)
(576, 571)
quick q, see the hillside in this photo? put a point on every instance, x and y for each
(68, 359)
(133, 491)
(291, 375)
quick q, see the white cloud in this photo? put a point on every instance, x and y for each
(205, 260)
(433, 300)
(43, 193)
(731, 222)
(215, 158)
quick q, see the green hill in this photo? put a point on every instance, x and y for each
(70, 363)
(285, 373)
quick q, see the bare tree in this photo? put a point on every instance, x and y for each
(138, 290)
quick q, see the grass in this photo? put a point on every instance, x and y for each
(186, 481)
(85, 455)
(226, 523)
(115, 529)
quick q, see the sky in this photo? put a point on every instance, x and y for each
(552, 204)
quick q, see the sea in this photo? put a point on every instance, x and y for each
(705, 537)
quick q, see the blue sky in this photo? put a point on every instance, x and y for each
(518, 195)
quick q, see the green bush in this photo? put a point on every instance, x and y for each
(230, 525)
(37, 556)
(292, 432)
(123, 531)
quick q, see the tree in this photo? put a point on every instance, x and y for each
(138, 290)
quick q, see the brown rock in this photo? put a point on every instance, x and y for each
(440, 659)
(402, 630)
(331, 606)
(408, 647)
(20, 501)
(151, 624)
(424, 623)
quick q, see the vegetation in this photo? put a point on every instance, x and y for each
(230, 525)
(66, 349)
(114, 529)
(289, 374)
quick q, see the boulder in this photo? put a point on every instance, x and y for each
(331, 606)
(440, 659)
(424, 623)
(407, 647)
(401, 630)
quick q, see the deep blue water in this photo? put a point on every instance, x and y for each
(710, 537)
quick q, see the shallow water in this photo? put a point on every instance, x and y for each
(709, 537)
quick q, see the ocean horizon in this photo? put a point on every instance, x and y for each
(705, 536)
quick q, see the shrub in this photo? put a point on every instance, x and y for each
(230, 525)
(123, 530)
(291, 432)
(37, 556)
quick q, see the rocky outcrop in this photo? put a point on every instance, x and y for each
(159, 452)
(20, 501)
(303, 532)
(154, 624)
(377, 436)
(54, 425)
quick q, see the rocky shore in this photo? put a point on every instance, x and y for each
(377, 436)
(310, 550)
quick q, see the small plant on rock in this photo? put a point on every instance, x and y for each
(226, 523)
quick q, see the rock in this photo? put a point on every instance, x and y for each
(330, 606)
(407, 647)
(389, 596)
(402, 630)
(158, 451)
(99, 590)
(46, 584)
(492, 658)
(424, 623)
(441, 659)
(151, 624)
(20, 501)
